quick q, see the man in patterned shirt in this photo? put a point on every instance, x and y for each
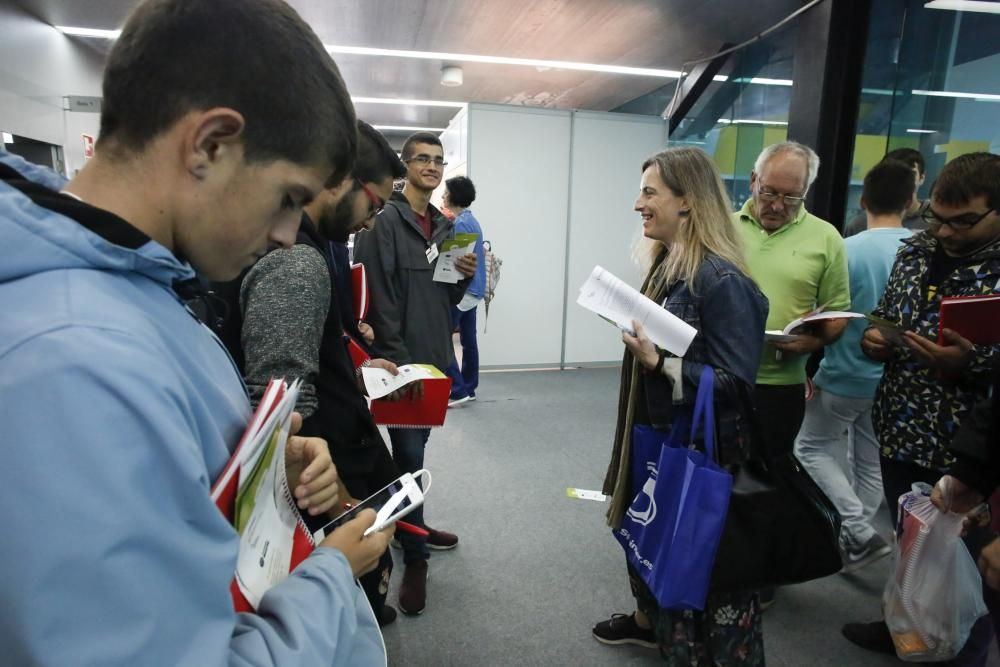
(928, 388)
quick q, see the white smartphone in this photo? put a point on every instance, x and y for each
(391, 503)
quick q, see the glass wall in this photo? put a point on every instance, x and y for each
(737, 117)
(931, 82)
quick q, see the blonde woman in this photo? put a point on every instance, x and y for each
(697, 273)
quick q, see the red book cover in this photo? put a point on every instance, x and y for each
(359, 283)
(226, 486)
(358, 355)
(976, 318)
(428, 412)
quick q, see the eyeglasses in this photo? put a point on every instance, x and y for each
(376, 204)
(427, 159)
(958, 223)
(788, 201)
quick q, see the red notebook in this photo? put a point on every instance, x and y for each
(359, 283)
(428, 412)
(974, 317)
(244, 458)
(358, 354)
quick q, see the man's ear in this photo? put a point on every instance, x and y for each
(753, 179)
(212, 137)
(340, 190)
(864, 206)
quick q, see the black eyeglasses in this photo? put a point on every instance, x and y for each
(427, 159)
(958, 223)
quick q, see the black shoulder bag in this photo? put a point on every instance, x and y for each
(781, 528)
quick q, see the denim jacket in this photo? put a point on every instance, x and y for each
(729, 312)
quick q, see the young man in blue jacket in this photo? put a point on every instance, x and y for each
(119, 407)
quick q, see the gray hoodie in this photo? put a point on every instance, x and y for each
(410, 313)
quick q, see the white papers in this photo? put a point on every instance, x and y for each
(266, 516)
(621, 303)
(380, 382)
(786, 335)
(452, 249)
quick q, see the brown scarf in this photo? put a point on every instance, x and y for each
(616, 481)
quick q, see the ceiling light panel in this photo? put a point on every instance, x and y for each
(965, 6)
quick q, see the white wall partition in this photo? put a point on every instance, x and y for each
(554, 195)
(38, 67)
(518, 159)
(608, 152)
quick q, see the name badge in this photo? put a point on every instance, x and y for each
(432, 253)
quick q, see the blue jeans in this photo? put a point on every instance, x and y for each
(408, 452)
(465, 382)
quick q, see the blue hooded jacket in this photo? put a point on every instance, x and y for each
(118, 409)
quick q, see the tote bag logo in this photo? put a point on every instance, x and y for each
(643, 508)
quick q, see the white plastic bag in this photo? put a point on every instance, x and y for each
(936, 593)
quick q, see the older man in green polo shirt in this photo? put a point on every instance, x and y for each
(798, 260)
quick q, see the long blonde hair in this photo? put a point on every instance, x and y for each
(708, 229)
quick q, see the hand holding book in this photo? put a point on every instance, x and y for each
(310, 471)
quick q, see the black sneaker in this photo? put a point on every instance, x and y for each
(622, 629)
(870, 636)
(387, 617)
(869, 552)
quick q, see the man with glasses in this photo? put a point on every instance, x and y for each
(293, 328)
(411, 316)
(932, 381)
(798, 261)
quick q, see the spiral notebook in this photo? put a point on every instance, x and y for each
(252, 492)
(427, 412)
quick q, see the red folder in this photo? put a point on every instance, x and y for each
(359, 283)
(976, 318)
(428, 412)
(225, 488)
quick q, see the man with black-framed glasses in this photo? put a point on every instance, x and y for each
(931, 383)
(799, 262)
(411, 316)
(293, 326)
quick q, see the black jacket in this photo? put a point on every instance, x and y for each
(975, 445)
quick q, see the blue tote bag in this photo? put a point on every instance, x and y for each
(672, 529)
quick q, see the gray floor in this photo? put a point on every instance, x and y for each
(535, 569)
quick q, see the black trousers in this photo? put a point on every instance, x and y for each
(778, 413)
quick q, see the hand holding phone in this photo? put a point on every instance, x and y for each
(391, 503)
(362, 549)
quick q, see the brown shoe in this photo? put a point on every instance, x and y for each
(413, 591)
(441, 540)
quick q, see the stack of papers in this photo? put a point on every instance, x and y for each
(620, 303)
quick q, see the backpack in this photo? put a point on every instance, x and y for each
(493, 264)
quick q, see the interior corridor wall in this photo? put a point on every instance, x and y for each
(518, 160)
(554, 195)
(608, 152)
(38, 67)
